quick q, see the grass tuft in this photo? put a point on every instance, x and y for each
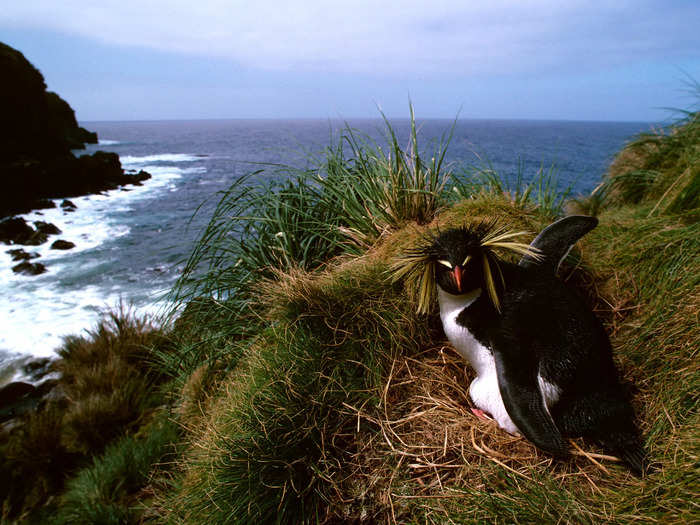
(105, 390)
(542, 192)
(108, 490)
(660, 168)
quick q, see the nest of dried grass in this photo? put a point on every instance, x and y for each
(432, 446)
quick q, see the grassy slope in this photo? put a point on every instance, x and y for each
(346, 405)
(305, 426)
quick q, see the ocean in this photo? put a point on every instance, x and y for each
(131, 243)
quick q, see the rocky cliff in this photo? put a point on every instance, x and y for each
(37, 133)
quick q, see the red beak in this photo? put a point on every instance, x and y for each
(457, 272)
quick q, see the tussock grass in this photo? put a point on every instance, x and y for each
(108, 378)
(376, 191)
(110, 490)
(541, 191)
(661, 168)
(34, 463)
(105, 390)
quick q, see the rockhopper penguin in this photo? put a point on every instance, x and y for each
(543, 360)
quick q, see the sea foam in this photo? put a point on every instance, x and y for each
(37, 312)
(163, 157)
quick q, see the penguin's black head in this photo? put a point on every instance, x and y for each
(457, 255)
(459, 260)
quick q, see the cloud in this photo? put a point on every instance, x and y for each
(383, 38)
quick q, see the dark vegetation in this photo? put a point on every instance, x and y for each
(108, 393)
(297, 384)
(38, 132)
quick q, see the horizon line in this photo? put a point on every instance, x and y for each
(457, 119)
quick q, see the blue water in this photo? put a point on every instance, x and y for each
(130, 244)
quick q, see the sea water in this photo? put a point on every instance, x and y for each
(131, 243)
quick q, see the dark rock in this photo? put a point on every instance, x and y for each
(36, 122)
(16, 231)
(19, 397)
(36, 239)
(68, 205)
(136, 179)
(43, 204)
(47, 228)
(60, 244)
(38, 135)
(28, 268)
(140, 177)
(20, 255)
(13, 392)
(15, 399)
(37, 369)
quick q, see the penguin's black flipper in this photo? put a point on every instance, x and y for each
(636, 459)
(623, 441)
(525, 404)
(555, 241)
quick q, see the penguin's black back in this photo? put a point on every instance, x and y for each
(544, 322)
(540, 312)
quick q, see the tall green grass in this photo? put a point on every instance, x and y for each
(375, 190)
(660, 168)
(357, 191)
(541, 190)
(106, 388)
(106, 492)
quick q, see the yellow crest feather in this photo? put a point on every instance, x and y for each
(417, 267)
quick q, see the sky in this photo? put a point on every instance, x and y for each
(628, 60)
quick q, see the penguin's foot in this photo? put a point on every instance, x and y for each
(481, 414)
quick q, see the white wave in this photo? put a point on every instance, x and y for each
(97, 219)
(162, 157)
(36, 312)
(106, 142)
(38, 318)
(87, 227)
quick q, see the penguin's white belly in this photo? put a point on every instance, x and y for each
(484, 388)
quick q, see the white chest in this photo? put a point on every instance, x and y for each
(484, 389)
(464, 342)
